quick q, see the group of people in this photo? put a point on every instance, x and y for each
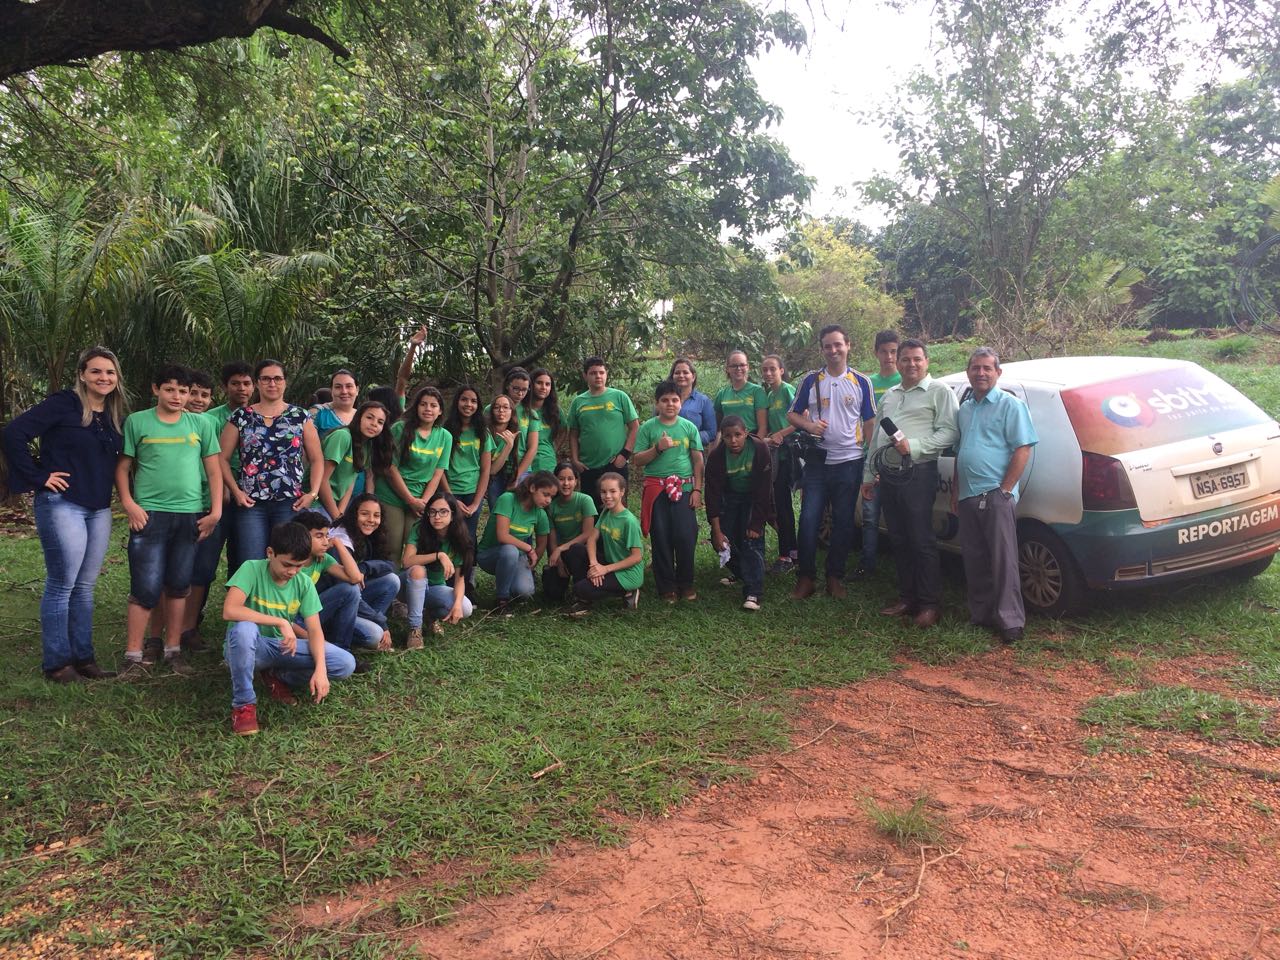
(333, 514)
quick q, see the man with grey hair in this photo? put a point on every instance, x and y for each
(996, 437)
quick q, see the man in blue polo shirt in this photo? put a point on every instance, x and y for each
(837, 405)
(996, 437)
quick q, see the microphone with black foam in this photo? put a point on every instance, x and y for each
(895, 435)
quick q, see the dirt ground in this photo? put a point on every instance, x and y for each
(1047, 852)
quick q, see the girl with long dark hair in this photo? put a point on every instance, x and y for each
(439, 563)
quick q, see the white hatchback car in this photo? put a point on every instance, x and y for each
(1147, 471)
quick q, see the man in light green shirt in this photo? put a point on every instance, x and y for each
(923, 411)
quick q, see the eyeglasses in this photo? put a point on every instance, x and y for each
(441, 512)
(271, 379)
(737, 366)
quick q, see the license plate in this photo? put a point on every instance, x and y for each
(1213, 482)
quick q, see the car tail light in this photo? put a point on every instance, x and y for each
(1104, 485)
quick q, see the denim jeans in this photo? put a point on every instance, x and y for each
(437, 598)
(338, 605)
(247, 651)
(161, 557)
(208, 555)
(510, 569)
(375, 601)
(835, 484)
(253, 527)
(746, 554)
(870, 530)
(673, 533)
(74, 540)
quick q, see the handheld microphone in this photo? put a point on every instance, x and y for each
(895, 434)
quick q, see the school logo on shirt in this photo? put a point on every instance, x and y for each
(613, 532)
(426, 451)
(291, 608)
(608, 405)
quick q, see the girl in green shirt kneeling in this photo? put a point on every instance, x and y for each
(615, 551)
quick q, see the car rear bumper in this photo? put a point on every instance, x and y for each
(1116, 549)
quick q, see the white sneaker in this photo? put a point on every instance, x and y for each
(730, 581)
(633, 599)
(751, 603)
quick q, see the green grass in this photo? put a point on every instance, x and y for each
(908, 827)
(423, 769)
(1183, 710)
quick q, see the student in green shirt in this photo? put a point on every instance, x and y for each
(467, 476)
(338, 583)
(421, 449)
(615, 551)
(503, 428)
(573, 518)
(742, 398)
(263, 600)
(165, 453)
(781, 395)
(439, 562)
(237, 387)
(602, 428)
(354, 455)
(516, 536)
(516, 386)
(543, 405)
(886, 347)
(669, 446)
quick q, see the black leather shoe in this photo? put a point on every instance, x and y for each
(91, 671)
(1012, 635)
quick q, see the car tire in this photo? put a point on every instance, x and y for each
(1247, 571)
(1051, 582)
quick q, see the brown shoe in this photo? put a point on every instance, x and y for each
(91, 671)
(928, 617)
(67, 674)
(804, 588)
(899, 609)
(414, 640)
(835, 588)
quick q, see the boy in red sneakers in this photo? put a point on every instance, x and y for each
(263, 598)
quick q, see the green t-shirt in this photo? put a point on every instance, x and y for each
(738, 468)
(527, 425)
(419, 463)
(169, 459)
(567, 516)
(294, 598)
(741, 403)
(674, 461)
(545, 458)
(463, 472)
(601, 423)
(220, 415)
(780, 400)
(337, 449)
(435, 572)
(525, 523)
(619, 534)
(317, 568)
(880, 384)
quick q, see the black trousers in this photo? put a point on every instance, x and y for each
(555, 585)
(673, 533)
(908, 513)
(588, 592)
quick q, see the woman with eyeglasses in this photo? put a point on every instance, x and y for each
(439, 562)
(275, 440)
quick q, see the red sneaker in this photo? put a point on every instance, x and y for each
(278, 689)
(244, 720)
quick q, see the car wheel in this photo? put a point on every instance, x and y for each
(1247, 571)
(1051, 582)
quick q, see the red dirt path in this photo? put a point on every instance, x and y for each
(1048, 853)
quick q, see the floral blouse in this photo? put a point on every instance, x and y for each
(271, 454)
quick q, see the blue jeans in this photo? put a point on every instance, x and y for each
(870, 530)
(436, 598)
(247, 651)
(339, 603)
(161, 557)
(253, 527)
(509, 568)
(74, 540)
(208, 555)
(375, 601)
(746, 554)
(837, 485)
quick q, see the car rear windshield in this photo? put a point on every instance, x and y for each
(1153, 409)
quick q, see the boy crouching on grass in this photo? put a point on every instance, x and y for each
(740, 504)
(338, 583)
(263, 598)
